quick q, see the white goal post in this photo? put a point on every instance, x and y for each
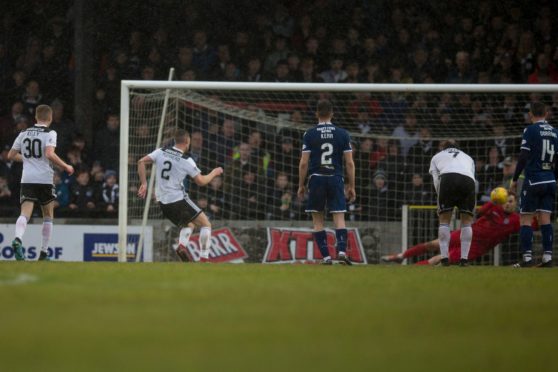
(127, 86)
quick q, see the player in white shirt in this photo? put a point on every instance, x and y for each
(453, 173)
(173, 165)
(35, 148)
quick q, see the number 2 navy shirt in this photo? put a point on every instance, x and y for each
(326, 144)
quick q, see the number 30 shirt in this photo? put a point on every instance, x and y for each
(541, 140)
(32, 144)
(172, 166)
(326, 144)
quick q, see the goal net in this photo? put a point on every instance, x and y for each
(254, 132)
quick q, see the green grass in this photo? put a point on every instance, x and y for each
(163, 317)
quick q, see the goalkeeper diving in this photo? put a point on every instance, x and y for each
(494, 224)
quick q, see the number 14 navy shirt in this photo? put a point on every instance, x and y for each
(541, 140)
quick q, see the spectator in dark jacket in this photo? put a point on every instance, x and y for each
(62, 190)
(378, 201)
(280, 204)
(417, 192)
(82, 195)
(107, 143)
(109, 194)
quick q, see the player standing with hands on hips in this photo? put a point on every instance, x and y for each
(173, 164)
(453, 173)
(325, 148)
(538, 159)
(35, 147)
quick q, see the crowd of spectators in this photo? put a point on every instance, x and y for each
(285, 41)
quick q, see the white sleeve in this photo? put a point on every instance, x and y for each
(154, 155)
(51, 139)
(435, 174)
(17, 143)
(191, 168)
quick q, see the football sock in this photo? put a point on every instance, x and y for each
(415, 250)
(205, 241)
(526, 239)
(21, 225)
(47, 232)
(320, 238)
(466, 238)
(341, 236)
(547, 239)
(184, 236)
(444, 238)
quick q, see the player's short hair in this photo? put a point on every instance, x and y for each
(511, 193)
(449, 143)
(181, 136)
(43, 113)
(324, 108)
(538, 109)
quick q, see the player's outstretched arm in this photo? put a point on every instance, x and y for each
(51, 155)
(302, 171)
(142, 192)
(14, 155)
(350, 165)
(202, 180)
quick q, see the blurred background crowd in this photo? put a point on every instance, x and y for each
(45, 58)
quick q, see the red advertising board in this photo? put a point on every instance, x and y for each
(224, 247)
(292, 245)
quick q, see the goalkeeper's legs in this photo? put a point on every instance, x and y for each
(416, 250)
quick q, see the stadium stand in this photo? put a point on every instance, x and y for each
(289, 41)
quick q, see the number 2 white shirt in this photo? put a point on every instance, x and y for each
(446, 161)
(32, 144)
(172, 167)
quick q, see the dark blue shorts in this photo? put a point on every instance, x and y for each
(535, 198)
(326, 191)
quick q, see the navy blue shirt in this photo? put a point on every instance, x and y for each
(541, 140)
(326, 144)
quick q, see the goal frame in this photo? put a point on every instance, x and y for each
(127, 85)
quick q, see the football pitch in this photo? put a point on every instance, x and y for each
(252, 317)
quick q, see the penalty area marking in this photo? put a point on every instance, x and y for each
(19, 279)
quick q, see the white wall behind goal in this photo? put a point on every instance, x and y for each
(77, 243)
